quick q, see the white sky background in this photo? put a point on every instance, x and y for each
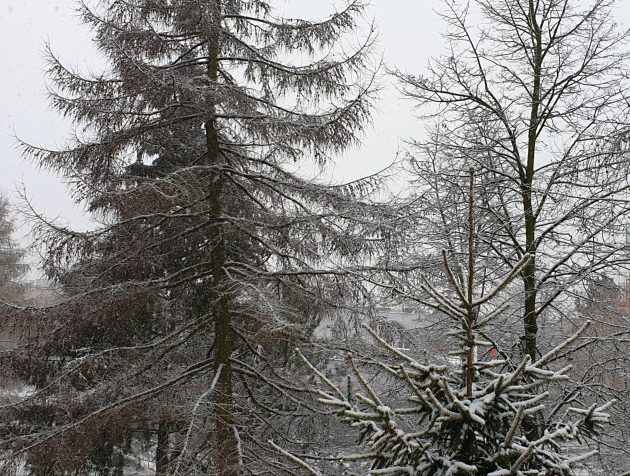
(408, 32)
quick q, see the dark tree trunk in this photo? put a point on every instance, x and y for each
(529, 273)
(161, 452)
(226, 448)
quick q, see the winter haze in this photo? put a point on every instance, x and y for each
(235, 316)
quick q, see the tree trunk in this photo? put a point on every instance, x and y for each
(226, 455)
(529, 273)
(470, 310)
(533, 425)
(161, 452)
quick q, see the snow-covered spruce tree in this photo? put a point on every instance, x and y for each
(214, 255)
(469, 417)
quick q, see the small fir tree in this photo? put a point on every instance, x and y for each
(480, 417)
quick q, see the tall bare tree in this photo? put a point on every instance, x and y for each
(536, 99)
(533, 94)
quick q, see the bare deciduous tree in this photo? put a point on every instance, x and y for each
(534, 96)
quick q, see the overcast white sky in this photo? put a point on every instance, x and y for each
(408, 36)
